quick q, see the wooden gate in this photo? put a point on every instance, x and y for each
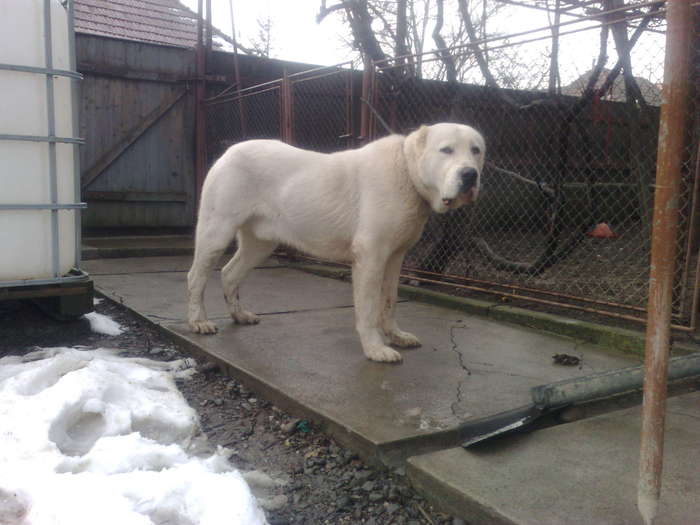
(136, 118)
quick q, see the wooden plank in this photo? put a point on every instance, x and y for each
(132, 136)
(88, 68)
(136, 196)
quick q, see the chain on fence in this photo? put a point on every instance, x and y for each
(564, 215)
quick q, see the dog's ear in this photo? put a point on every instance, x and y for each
(416, 141)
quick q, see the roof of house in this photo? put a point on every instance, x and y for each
(650, 91)
(156, 21)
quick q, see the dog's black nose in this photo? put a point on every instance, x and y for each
(469, 177)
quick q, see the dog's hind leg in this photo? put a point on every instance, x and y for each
(251, 252)
(390, 289)
(211, 241)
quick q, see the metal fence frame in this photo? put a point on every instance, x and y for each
(376, 124)
(76, 274)
(283, 125)
(365, 121)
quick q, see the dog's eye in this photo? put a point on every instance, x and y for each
(476, 150)
(447, 150)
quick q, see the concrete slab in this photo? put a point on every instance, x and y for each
(580, 473)
(160, 293)
(306, 356)
(152, 264)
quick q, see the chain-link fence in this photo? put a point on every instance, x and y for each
(564, 216)
(312, 109)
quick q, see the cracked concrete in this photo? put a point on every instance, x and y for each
(460, 359)
(305, 355)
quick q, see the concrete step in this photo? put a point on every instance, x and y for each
(136, 246)
(580, 473)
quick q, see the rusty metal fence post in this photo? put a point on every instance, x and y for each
(286, 118)
(672, 142)
(200, 89)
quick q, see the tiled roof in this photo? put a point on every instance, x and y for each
(157, 21)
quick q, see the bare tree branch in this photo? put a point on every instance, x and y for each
(401, 49)
(615, 71)
(443, 52)
(619, 31)
(325, 11)
(361, 25)
(481, 61)
(554, 59)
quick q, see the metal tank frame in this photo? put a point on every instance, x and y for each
(81, 285)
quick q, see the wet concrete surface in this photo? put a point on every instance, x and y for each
(305, 353)
(580, 473)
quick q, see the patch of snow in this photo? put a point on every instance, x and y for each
(91, 437)
(103, 324)
(96, 301)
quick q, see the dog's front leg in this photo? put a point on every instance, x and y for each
(390, 291)
(367, 276)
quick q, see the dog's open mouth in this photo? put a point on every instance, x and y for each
(467, 197)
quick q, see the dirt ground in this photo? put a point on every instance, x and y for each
(323, 482)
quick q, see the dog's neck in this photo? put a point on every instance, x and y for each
(409, 164)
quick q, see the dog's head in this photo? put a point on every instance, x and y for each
(445, 162)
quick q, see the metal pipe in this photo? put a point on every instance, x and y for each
(285, 109)
(545, 301)
(349, 127)
(609, 383)
(232, 97)
(42, 70)
(200, 153)
(53, 206)
(40, 138)
(373, 98)
(215, 102)
(237, 73)
(672, 141)
(364, 109)
(75, 116)
(51, 123)
(528, 289)
(527, 298)
(209, 27)
(534, 299)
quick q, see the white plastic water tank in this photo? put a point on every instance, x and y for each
(27, 248)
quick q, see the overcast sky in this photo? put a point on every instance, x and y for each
(297, 37)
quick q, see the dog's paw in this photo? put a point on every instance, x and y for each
(245, 317)
(403, 339)
(383, 354)
(202, 327)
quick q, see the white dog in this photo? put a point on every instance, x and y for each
(366, 207)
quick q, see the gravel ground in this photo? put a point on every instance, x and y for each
(321, 482)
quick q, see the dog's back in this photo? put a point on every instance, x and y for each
(307, 199)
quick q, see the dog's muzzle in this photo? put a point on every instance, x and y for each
(468, 179)
(468, 189)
